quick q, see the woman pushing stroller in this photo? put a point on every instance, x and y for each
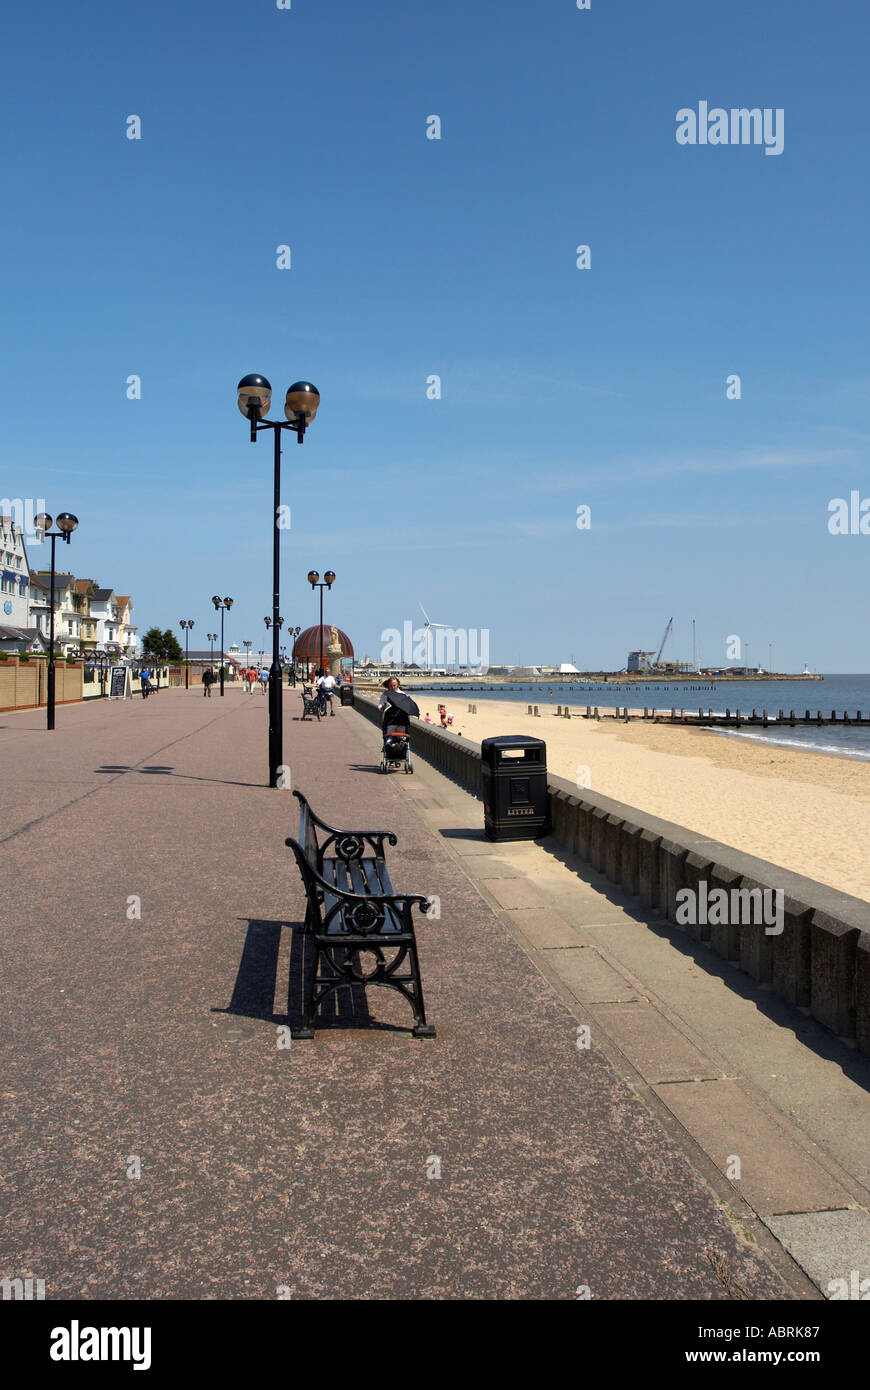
(397, 708)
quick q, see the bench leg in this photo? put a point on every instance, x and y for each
(422, 1029)
(306, 1031)
(318, 986)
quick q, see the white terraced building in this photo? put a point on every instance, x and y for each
(16, 629)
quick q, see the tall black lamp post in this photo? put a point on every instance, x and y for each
(212, 638)
(317, 583)
(224, 605)
(186, 624)
(66, 524)
(300, 408)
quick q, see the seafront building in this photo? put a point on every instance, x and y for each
(86, 617)
(16, 629)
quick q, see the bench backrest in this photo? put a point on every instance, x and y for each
(347, 845)
(308, 835)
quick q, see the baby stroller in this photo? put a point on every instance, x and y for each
(397, 742)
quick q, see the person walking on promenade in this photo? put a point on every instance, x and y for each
(263, 678)
(145, 679)
(207, 681)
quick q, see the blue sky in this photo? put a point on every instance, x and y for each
(412, 257)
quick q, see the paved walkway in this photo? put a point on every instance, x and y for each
(151, 1044)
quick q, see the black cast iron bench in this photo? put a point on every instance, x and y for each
(353, 911)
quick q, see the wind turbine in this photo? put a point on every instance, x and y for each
(428, 625)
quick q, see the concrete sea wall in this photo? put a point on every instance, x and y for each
(819, 961)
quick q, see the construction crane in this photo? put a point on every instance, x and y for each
(663, 641)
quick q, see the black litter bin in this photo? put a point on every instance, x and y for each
(515, 804)
(347, 694)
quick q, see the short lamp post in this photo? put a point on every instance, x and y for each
(317, 583)
(295, 631)
(223, 605)
(186, 624)
(211, 638)
(66, 524)
(300, 408)
(268, 622)
(102, 661)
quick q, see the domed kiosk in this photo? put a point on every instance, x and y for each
(328, 642)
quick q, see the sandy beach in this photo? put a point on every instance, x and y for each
(809, 812)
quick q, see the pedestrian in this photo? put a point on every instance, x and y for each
(145, 680)
(207, 681)
(442, 712)
(326, 686)
(263, 678)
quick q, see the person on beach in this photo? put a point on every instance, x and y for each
(207, 681)
(442, 714)
(145, 679)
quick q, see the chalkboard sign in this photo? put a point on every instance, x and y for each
(118, 685)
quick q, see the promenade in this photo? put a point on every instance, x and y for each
(148, 919)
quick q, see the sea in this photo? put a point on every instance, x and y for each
(840, 693)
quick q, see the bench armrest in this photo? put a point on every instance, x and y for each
(394, 900)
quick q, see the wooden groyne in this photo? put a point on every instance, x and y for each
(736, 720)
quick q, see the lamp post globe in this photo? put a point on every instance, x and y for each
(254, 396)
(300, 405)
